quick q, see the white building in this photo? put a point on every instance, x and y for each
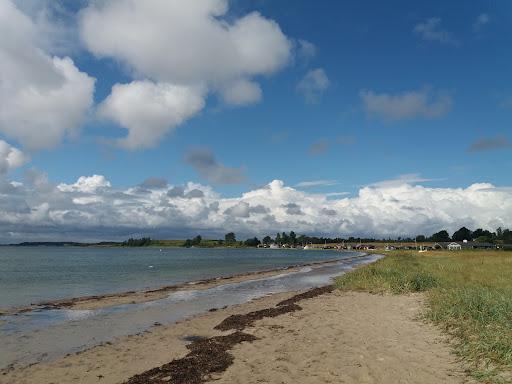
(454, 247)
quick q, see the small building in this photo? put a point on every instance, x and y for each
(454, 247)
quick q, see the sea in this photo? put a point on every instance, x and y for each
(32, 275)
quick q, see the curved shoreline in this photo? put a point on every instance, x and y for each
(135, 297)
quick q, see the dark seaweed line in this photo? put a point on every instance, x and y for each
(211, 355)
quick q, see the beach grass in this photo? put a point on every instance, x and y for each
(469, 294)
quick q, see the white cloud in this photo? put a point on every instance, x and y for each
(42, 98)
(242, 92)
(432, 30)
(313, 85)
(316, 183)
(184, 44)
(10, 157)
(406, 105)
(177, 41)
(93, 209)
(407, 178)
(481, 21)
(306, 50)
(149, 111)
(86, 184)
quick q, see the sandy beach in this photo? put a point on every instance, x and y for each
(334, 337)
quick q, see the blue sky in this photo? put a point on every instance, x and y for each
(352, 94)
(361, 46)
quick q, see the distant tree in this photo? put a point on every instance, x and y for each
(278, 238)
(506, 236)
(285, 238)
(440, 236)
(301, 239)
(230, 238)
(421, 238)
(254, 242)
(483, 239)
(197, 240)
(187, 243)
(293, 238)
(462, 234)
(267, 240)
(482, 233)
(142, 242)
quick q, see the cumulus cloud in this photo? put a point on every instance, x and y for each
(292, 209)
(245, 210)
(432, 30)
(205, 163)
(489, 144)
(42, 98)
(87, 184)
(91, 208)
(185, 45)
(150, 110)
(10, 157)
(182, 42)
(406, 105)
(313, 85)
(242, 92)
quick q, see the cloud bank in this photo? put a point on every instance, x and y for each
(93, 209)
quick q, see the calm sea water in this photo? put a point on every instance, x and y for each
(36, 274)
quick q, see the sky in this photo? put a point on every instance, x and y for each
(169, 118)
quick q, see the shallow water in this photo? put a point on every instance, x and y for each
(46, 334)
(36, 274)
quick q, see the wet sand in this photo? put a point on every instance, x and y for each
(331, 337)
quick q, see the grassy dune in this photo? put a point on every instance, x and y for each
(469, 294)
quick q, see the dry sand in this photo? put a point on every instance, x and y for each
(335, 338)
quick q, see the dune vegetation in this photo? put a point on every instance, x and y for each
(468, 294)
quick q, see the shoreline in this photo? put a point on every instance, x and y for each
(317, 335)
(135, 297)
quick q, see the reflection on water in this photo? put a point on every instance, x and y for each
(47, 334)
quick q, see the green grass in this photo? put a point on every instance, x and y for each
(469, 294)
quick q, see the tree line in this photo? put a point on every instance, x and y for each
(500, 236)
